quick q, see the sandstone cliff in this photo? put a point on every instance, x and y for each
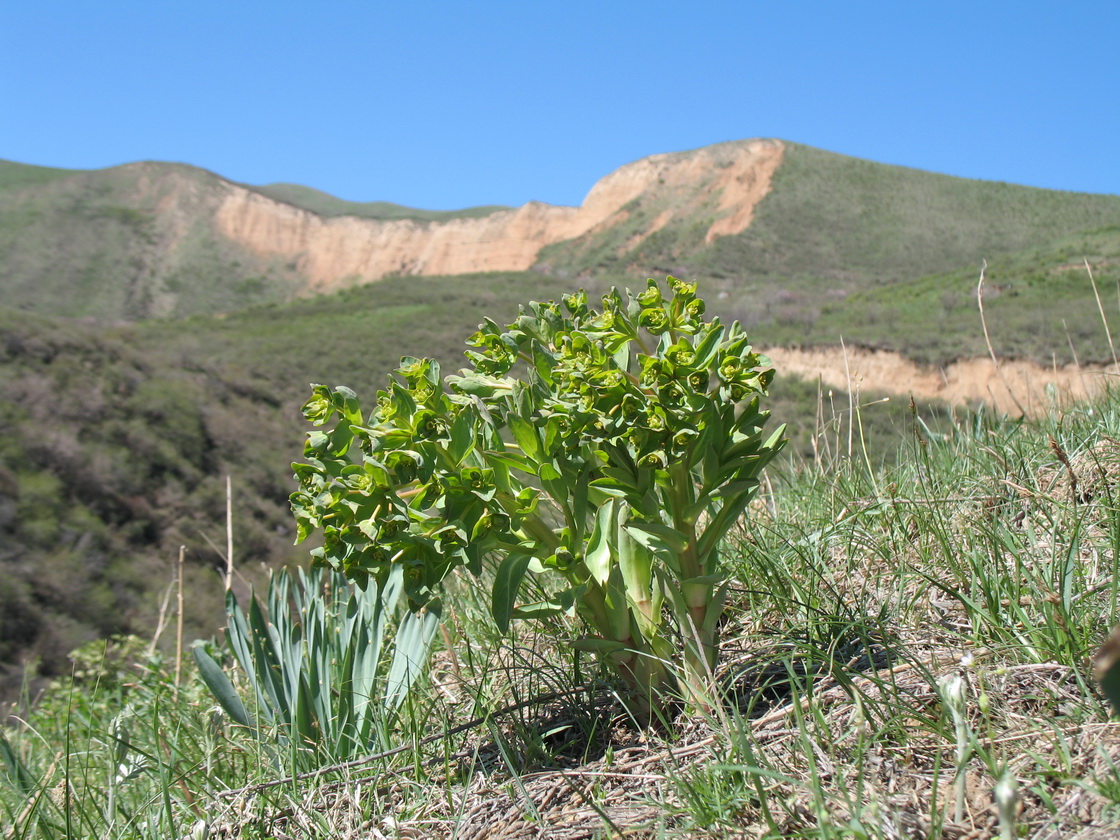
(729, 179)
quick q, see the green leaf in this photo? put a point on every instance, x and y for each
(513, 460)
(550, 472)
(507, 582)
(267, 662)
(636, 566)
(525, 434)
(544, 609)
(599, 646)
(306, 726)
(611, 488)
(705, 580)
(462, 439)
(657, 536)
(715, 608)
(578, 502)
(776, 441)
(599, 549)
(414, 642)
(559, 604)
(220, 686)
(709, 345)
(622, 476)
(621, 356)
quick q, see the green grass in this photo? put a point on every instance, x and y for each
(859, 596)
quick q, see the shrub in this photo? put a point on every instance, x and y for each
(611, 468)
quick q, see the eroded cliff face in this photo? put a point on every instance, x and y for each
(1017, 387)
(331, 251)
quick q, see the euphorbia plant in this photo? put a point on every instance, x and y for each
(608, 451)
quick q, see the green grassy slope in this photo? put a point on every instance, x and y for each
(113, 452)
(325, 204)
(92, 244)
(853, 222)
(1039, 304)
(14, 175)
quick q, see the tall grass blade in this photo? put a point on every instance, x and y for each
(17, 771)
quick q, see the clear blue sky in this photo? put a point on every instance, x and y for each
(449, 104)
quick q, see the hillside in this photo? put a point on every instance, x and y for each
(1039, 303)
(135, 241)
(904, 653)
(778, 229)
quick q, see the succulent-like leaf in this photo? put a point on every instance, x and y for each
(507, 582)
(220, 686)
(525, 433)
(599, 549)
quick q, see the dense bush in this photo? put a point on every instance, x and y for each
(612, 467)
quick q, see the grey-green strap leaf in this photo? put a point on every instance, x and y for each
(414, 641)
(220, 686)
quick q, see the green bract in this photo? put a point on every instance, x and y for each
(612, 465)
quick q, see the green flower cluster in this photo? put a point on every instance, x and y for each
(639, 375)
(399, 487)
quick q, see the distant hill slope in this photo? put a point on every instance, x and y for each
(135, 241)
(324, 204)
(14, 175)
(832, 225)
(778, 228)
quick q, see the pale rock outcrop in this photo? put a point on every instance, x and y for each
(1017, 387)
(733, 177)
